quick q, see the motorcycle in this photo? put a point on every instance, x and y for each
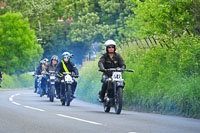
(67, 80)
(39, 82)
(114, 92)
(51, 89)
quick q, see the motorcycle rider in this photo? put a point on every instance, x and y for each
(39, 71)
(0, 78)
(110, 59)
(52, 67)
(46, 62)
(67, 66)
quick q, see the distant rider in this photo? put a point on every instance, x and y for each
(41, 68)
(110, 59)
(0, 78)
(67, 66)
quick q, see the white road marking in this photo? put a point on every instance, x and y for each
(132, 132)
(16, 103)
(11, 97)
(74, 118)
(29, 107)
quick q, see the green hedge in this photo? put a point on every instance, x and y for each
(165, 80)
(13, 81)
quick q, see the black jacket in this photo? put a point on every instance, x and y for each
(106, 62)
(39, 70)
(0, 74)
(70, 66)
(50, 67)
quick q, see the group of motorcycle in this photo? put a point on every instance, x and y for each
(113, 96)
(49, 88)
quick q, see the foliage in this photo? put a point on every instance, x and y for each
(165, 80)
(17, 81)
(161, 17)
(89, 82)
(18, 45)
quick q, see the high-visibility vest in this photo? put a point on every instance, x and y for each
(65, 68)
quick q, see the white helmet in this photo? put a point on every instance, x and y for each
(110, 42)
(66, 55)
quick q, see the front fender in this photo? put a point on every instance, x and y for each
(120, 84)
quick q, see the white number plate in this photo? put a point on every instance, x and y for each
(52, 77)
(68, 78)
(117, 76)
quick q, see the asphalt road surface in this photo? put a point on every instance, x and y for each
(25, 112)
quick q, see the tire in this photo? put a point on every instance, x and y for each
(63, 101)
(118, 100)
(52, 93)
(68, 95)
(106, 108)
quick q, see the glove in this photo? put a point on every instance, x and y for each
(43, 72)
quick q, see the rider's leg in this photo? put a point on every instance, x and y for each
(103, 88)
(36, 85)
(74, 88)
(57, 86)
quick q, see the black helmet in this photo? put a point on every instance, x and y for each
(54, 57)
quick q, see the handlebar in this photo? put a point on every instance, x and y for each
(117, 70)
(69, 73)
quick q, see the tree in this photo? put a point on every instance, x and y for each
(161, 17)
(19, 49)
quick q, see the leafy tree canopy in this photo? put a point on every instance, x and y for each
(18, 44)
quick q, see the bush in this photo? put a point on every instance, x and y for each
(13, 81)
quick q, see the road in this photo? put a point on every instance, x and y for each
(23, 111)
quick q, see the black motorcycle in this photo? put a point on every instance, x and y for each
(67, 80)
(114, 92)
(51, 88)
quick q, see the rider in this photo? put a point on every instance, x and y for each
(0, 78)
(52, 67)
(39, 71)
(110, 59)
(67, 66)
(46, 62)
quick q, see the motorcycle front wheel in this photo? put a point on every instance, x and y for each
(118, 100)
(52, 93)
(68, 95)
(106, 108)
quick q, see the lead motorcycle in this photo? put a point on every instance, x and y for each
(67, 80)
(114, 92)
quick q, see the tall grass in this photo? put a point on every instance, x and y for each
(165, 80)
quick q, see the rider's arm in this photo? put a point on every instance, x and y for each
(75, 70)
(101, 62)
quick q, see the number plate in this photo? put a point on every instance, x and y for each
(52, 77)
(68, 78)
(117, 76)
